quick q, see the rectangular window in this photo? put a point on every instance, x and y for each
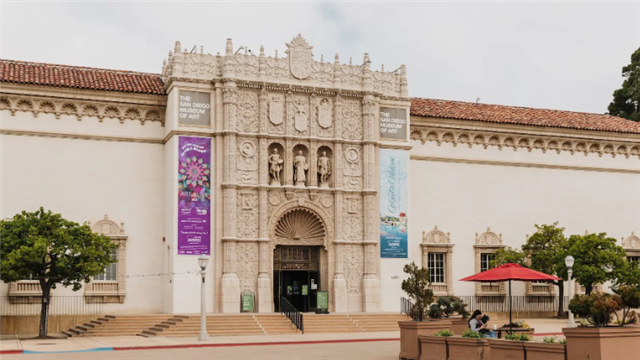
(485, 261)
(635, 259)
(436, 268)
(110, 272)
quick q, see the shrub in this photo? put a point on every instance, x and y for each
(470, 334)
(629, 299)
(446, 306)
(517, 337)
(519, 324)
(549, 340)
(563, 341)
(444, 332)
(418, 287)
(596, 308)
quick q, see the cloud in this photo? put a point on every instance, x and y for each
(551, 55)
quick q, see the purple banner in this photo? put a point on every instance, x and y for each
(194, 196)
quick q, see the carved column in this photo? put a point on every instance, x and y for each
(340, 300)
(230, 283)
(313, 163)
(370, 283)
(265, 295)
(288, 145)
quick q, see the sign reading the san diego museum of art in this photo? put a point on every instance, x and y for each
(194, 195)
(393, 203)
(393, 124)
(194, 108)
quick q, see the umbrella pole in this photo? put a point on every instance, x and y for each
(510, 321)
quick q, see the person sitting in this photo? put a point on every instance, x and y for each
(475, 324)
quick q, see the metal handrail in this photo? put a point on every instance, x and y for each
(291, 313)
(406, 307)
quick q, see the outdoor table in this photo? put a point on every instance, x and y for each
(508, 330)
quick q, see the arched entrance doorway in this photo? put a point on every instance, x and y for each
(300, 260)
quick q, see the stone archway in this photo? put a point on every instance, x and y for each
(293, 223)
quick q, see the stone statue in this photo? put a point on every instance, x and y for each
(275, 165)
(300, 165)
(324, 170)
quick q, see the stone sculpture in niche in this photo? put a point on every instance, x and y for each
(300, 165)
(324, 170)
(275, 165)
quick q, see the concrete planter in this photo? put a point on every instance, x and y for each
(459, 325)
(433, 347)
(468, 349)
(543, 351)
(605, 343)
(409, 332)
(507, 350)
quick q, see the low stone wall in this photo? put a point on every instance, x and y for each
(21, 325)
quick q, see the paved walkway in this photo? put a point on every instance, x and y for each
(250, 345)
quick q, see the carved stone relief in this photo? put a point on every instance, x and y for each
(247, 116)
(352, 167)
(247, 213)
(352, 214)
(353, 267)
(352, 119)
(248, 265)
(300, 57)
(322, 117)
(247, 160)
(300, 114)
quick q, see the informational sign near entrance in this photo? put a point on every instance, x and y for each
(393, 203)
(247, 302)
(194, 195)
(393, 124)
(323, 300)
(305, 290)
(194, 108)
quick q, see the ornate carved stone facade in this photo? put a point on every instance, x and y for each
(437, 242)
(301, 110)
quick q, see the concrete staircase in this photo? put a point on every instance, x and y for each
(378, 322)
(110, 325)
(217, 325)
(318, 323)
(276, 324)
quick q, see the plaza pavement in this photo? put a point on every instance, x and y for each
(372, 345)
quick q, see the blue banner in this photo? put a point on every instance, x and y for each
(393, 203)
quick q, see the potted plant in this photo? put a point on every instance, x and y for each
(519, 324)
(599, 339)
(512, 347)
(549, 349)
(447, 306)
(417, 287)
(470, 346)
(434, 347)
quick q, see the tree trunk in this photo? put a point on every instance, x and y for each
(44, 311)
(560, 285)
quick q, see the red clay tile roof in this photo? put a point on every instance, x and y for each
(79, 77)
(521, 116)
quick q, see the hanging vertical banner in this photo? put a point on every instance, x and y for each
(393, 203)
(194, 195)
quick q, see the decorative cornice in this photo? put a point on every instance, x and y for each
(520, 164)
(80, 136)
(81, 108)
(525, 141)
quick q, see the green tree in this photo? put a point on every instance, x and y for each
(626, 101)
(597, 259)
(508, 255)
(418, 288)
(546, 250)
(44, 246)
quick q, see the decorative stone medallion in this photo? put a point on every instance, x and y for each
(301, 117)
(300, 57)
(352, 155)
(247, 149)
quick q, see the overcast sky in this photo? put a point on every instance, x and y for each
(539, 54)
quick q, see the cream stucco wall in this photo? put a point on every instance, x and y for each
(84, 180)
(464, 190)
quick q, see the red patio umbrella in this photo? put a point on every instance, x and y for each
(510, 272)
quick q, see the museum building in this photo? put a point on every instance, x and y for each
(299, 176)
